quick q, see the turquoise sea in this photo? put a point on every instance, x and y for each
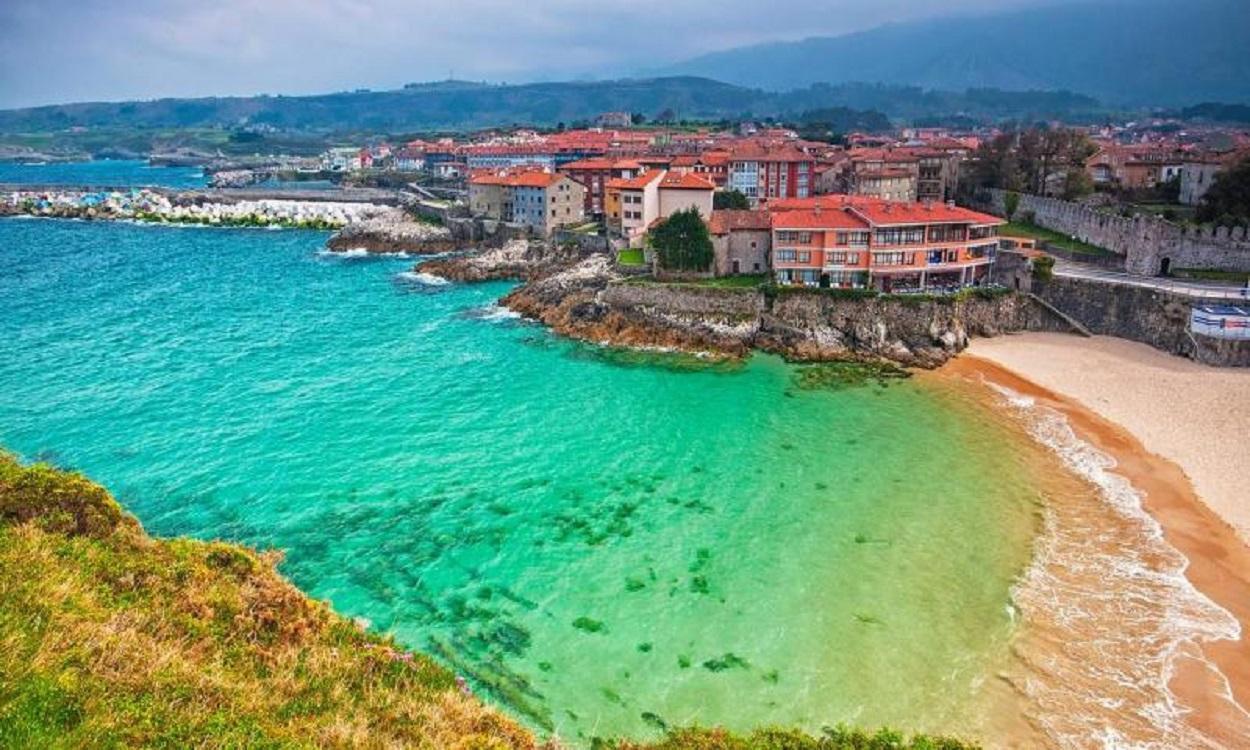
(605, 543)
(120, 173)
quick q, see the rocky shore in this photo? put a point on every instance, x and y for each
(394, 231)
(591, 300)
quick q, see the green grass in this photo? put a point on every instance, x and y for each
(631, 257)
(1210, 274)
(1042, 234)
(747, 281)
(109, 638)
(1177, 212)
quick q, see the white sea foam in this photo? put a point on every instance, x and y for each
(1128, 602)
(495, 313)
(420, 277)
(353, 252)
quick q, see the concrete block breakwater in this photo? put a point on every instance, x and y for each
(1150, 245)
(188, 208)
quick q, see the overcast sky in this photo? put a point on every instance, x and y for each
(54, 51)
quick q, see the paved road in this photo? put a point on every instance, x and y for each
(1201, 289)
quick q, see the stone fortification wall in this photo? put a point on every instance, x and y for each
(1147, 243)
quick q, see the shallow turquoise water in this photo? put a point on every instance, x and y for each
(602, 541)
(102, 173)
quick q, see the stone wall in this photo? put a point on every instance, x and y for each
(1150, 316)
(1145, 242)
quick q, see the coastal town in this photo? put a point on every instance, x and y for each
(843, 376)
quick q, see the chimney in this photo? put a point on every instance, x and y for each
(950, 204)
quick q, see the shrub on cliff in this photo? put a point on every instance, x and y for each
(682, 242)
(1043, 268)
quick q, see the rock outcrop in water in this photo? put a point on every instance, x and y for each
(591, 300)
(393, 231)
(518, 259)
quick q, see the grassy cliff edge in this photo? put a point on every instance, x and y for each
(110, 638)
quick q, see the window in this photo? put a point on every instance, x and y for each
(850, 259)
(854, 239)
(899, 236)
(794, 256)
(893, 259)
(798, 238)
(947, 233)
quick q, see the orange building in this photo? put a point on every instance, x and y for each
(891, 246)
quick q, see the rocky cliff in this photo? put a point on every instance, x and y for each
(591, 300)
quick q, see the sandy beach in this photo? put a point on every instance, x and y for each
(1176, 431)
(1190, 414)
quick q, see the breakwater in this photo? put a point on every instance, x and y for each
(188, 207)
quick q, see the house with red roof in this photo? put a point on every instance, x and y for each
(741, 241)
(633, 205)
(542, 201)
(891, 246)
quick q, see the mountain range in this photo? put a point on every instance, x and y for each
(1151, 53)
(458, 105)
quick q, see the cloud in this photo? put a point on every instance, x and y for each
(96, 50)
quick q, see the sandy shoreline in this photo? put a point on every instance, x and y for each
(1143, 409)
(1190, 414)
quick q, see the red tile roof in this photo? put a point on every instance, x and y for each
(886, 213)
(727, 220)
(881, 212)
(588, 164)
(634, 183)
(601, 162)
(756, 152)
(529, 178)
(675, 181)
(817, 218)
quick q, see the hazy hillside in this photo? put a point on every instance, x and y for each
(458, 105)
(1158, 52)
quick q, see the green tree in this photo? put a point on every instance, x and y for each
(1227, 201)
(1077, 183)
(730, 199)
(682, 242)
(1023, 160)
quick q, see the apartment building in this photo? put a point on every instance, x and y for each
(594, 174)
(539, 200)
(890, 246)
(765, 172)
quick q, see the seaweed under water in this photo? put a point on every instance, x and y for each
(839, 376)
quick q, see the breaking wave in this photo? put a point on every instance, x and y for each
(422, 278)
(1109, 609)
